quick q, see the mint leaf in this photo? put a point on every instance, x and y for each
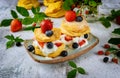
(35, 10)
(115, 41)
(111, 49)
(6, 22)
(67, 4)
(10, 37)
(9, 44)
(72, 73)
(72, 64)
(81, 70)
(105, 22)
(92, 3)
(39, 17)
(27, 21)
(18, 39)
(116, 31)
(22, 11)
(14, 14)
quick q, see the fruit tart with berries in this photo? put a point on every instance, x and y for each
(46, 42)
(75, 30)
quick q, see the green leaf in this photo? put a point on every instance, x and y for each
(22, 11)
(39, 17)
(72, 73)
(18, 39)
(116, 31)
(14, 14)
(9, 44)
(67, 4)
(35, 10)
(81, 70)
(72, 64)
(105, 22)
(10, 37)
(111, 49)
(27, 21)
(92, 3)
(115, 41)
(6, 22)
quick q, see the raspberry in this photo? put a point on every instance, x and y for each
(106, 46)
(100, 52)
(115, 60)
(107, 53)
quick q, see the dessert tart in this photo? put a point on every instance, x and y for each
(75, 30)
(46, 42)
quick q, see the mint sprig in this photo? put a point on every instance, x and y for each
(75, 70)
(12, 40)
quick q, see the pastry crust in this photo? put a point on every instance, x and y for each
(41, 37)
(75, 28)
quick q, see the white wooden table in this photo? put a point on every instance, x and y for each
(16, 63)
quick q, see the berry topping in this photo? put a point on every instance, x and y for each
(82, 42)
(49, 33)
(64, 53)
(15, 25)
(49, 45)
(58, 44)
(30, 48)
(100, 52)
(106, 46)
(46, 25)
(118, 45)
(75, 45)
(105, 59)
(86, 36)
(115, 60)
(79, 18)
(41, 44)
(70, 16)
(107, 53)
(18, 44)
(68, 38)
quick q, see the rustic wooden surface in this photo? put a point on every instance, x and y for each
(16, 63)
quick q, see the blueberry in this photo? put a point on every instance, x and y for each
(85, 35)
(118, 53)
(49, 33)
(64, 53)
(49, 45)
(30, 48)
(105, 59)
(18, 44)
(79, 18)
(75, 45)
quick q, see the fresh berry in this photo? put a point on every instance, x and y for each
(100, 52)
(115, 60)
(58, 44)
(15, 25)
(118, 20)
(86, 12)
(30, 48)
(105, 59)
(86, 36)
(70, 16)
(64, 53)
(75, 45)
(49, 33)
(49, 45)
(46, 25)
(68, 38)
(107, 53)
(41, 44)
(34, 25)
(79, 18)
(82, 42)
(118, 53)
(106, 46)
(18, 44)
(118, 45)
